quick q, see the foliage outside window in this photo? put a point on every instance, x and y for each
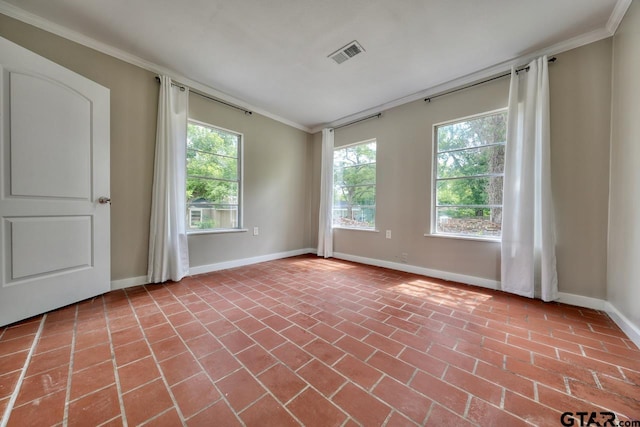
(213, 178)
(354, 186)
(469, 171)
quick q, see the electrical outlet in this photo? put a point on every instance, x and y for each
(256, 231)
(388, 234)
(404, 257)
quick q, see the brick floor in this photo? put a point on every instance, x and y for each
(315, 342)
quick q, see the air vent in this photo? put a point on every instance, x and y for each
(346, 52)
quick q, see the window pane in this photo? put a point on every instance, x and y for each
(201, 190)
(474, 161)
(466, 201)
(354, 190)
(470, 191)
(472, 133)
(362, 174)
(202, 216)
(213, 178)
(469, 222)
(362, 216)
(210, 140)
(210, 165)
(354, 155)
(356, 195)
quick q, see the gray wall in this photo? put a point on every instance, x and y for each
(580, 122)
(134, 106)
(275, 161)
(580, 92)
(623, 284)
(282, 165)
(275, 187)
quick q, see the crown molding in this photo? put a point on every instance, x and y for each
(584, 39)
(617, 15)
(609, 30)
(486, 73)
(59, 30)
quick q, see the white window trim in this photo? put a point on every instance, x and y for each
(218, 231)
(370, 230)
(488, 239)
(343, 227)
(239, 228)
(434, 174)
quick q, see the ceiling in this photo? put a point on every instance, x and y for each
(272, 55)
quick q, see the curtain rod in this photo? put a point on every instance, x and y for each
(376, 116)
(552, 59)
(182, 88)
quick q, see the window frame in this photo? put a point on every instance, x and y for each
(433, 232)
(240, 168)
(342, 147)
(190, 215)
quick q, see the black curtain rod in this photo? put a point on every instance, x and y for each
(552, 59)
(182, 88)
(357, 121)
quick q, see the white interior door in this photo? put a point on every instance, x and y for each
(54, 143)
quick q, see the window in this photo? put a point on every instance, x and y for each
(354, 186)
(469, 170)
(213, 178)
(195, 217)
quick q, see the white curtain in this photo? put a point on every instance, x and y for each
(528, 226)
(168, 251)
(325, 231)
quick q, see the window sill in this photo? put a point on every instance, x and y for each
(220, 231)
(460, 237)
(370, 230)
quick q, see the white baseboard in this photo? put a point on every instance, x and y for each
(581, 301)
(142, 280)
(627, 326)
(128, 283)
(245, 261)
(571, 299)
(632, 331)
(438, 274)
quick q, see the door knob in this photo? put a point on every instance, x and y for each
(104, 200)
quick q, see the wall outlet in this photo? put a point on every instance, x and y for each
(404, 257)
(256, 231)
(388, 234)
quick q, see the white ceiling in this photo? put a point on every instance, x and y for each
(272, 54)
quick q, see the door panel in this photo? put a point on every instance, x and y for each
(49, 245)
(54, 143)
(42, 111)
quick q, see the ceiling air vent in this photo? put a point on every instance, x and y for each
(346, 52)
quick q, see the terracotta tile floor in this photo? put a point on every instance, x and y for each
(319, 343)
